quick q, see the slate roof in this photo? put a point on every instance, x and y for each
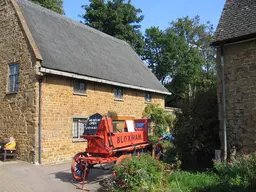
(70, 46)
(237, 22)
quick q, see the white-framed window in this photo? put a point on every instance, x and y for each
(148, 97)
(79, 87)
(118, 93)
(78, 128)
(13, 84)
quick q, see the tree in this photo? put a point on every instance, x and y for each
(172, 60)
(116, 18)
(161, 51)
(181, 57)
(198, 36)
(54, 5)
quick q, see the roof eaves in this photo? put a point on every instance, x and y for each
(93, 79)
(233, 40)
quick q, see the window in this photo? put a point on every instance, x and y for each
(148, 97)
(79, 87)
(118, 93)
(14, 78)
(78, 127)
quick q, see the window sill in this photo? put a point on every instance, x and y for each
(78, 140)
(121, 100)
(80, 94)
(11, 93)
(148, 102)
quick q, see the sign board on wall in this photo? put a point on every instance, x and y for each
(92, 124)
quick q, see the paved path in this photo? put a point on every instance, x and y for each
(25, 177)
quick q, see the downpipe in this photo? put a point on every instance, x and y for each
(40, 122)
(224, 117)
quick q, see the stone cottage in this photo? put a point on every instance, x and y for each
(235, 40)
(55, 72)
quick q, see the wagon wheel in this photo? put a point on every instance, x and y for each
(158, 152)
(122, 158)
(80, 154)
(79, 167)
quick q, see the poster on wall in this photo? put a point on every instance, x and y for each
(93, 124)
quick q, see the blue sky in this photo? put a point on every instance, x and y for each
(161, 12)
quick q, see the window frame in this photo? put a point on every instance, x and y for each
(13, 84)
(146, 98)
(116, 97)
(78, 138)
(79, 91)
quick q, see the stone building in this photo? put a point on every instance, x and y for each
(55, 72)
(235, 40)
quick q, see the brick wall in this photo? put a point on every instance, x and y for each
(240, 77)
(59, 105)
(17, 111)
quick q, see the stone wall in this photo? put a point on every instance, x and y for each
(240, 77)
(17, 111)
(60, 105)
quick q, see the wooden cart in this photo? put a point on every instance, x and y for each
(106, 146)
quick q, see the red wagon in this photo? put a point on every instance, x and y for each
(107, 146)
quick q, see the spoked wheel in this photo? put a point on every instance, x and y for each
(122, 158)
(79, 167)
(80, 154)
(158, 152)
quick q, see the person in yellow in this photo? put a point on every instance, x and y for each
(11, 144)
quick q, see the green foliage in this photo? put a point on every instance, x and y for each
(140, 174)
(54, 5)
(181, 57)
(162, 50)
(198, 70)
(161, 119)
(116, 18)
(192, 182)
(239, 174)
(199, 124)
(146, 174)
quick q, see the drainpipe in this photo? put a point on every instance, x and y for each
(40, 122)
(34, 149)
(224, 103)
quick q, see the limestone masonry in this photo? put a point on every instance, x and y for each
(19, 111)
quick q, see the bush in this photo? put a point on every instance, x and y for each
(140, 174)
(146, 174)
(161, 119)
(240, 174)
(197, 130)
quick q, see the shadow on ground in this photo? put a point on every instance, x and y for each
(95, 178)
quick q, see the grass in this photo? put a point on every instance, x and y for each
(192, 182)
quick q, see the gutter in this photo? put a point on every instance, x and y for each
(224, 114)
(93, 79)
